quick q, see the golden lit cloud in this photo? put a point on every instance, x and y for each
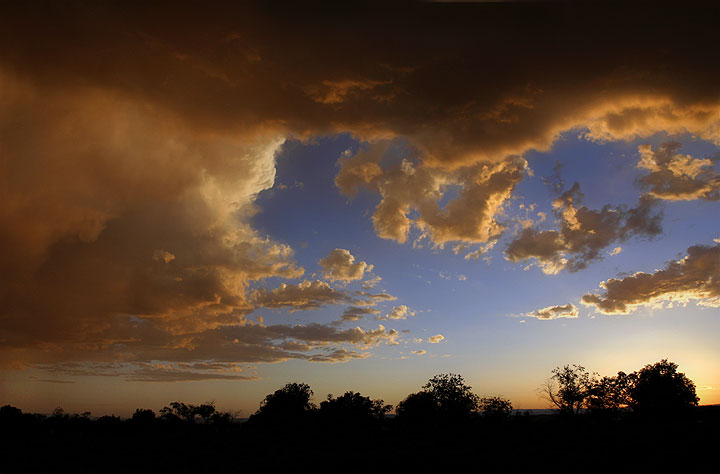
(677, 177)
(554, 312)
(406, 187)
(340, 265)
(399, 312)
(583, 233)
(694, 277)
(305, 295)
(435, 339)
(135, 141)
(355, 313)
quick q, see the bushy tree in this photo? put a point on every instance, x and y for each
(445, 397)
(178, 411)
(568, 388)
(143, 416)
(454, 398)
(495, 408)
(659, 389)
(609, 395)
(353, 408)
(288, 404)
(419, 407)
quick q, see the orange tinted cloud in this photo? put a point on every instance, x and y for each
(677, 177)
(554, 312)
(340, 265)
(135, 139)
(404, 187)
(694, 277)
(583, 233)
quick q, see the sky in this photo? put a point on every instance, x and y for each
(205, 202)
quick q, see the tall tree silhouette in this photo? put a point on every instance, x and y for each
(659, 389)
(568, 388)
(286, 405)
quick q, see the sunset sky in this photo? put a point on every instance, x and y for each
(205, 201)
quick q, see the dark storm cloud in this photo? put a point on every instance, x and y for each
(134, 138)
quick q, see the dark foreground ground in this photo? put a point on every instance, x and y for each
(536, 443)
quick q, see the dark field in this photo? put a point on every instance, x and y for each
(579, 443)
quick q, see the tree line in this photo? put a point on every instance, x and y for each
(655, 390)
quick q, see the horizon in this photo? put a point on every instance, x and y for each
(204, 203)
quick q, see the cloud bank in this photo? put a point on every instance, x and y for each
(134, 141)
(694, 277)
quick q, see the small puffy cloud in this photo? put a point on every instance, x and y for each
(355, 313)
(371, 283)
(305, 295)
(677, 177)
(435, 339)
(420, 352)
(366, 298)
(554, 312)
(615, 251)
(583, 233)
(163, 256)
(400, 312)
(462, 277)
(694, 277)
(337, 356)
(340, 265)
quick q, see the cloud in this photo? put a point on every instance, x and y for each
(583, 233)
(407, 187)
(420, 352)
(144, 343)
(170, 374)
(554, 312)
(355, 313)
(677, 177)
(340, 265)
(166, 146)
(399, 312)
(435, 339)
(305, 295)
(371, 283)
(113, 207)
(163, 256)
(616, 251)
(366, 298)
(694, 277)
(193, 65)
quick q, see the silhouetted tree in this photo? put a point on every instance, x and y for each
(495, 408)
(568, 388)
(444, 398)
(143, 416)
(609, 395)
(352, 408)
(203, 413)
(659, 389)
(10, 413)
(455, 399)
(288, 404)
(177, 411)
(420, 407)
